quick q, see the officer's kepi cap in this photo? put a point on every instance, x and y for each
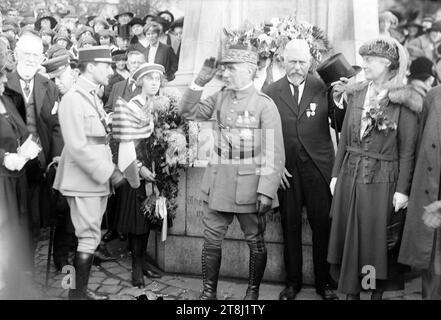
(146, 68)
(95, 54)
(239, 54)
(56, 66)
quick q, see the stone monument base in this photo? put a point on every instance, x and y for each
(181, 252)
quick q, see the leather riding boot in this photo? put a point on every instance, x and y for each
(211, 261)
(257, 269)
(82, 264)
(138, 252)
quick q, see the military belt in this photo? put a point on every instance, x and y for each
(98, 140)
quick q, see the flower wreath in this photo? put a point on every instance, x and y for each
(270, 39)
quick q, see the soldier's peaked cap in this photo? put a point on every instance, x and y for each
(240, 54)
(56, 65)
(95, 54)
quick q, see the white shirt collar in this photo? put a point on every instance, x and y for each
(301, 88)
(246, 87)
(93, 84)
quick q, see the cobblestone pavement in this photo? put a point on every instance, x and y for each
(113, 279)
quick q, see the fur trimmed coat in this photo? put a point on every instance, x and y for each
(370, 170)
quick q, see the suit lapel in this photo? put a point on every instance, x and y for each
(39, 92)
(286, 95)
(14, 83)
(159, 54)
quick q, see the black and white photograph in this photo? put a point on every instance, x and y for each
(245, 152)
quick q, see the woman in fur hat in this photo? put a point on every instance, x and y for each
(372, 171)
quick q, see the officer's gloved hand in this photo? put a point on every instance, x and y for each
(207, 72)
(263, 204)
(117, 178)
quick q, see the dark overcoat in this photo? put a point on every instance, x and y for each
(417, 243)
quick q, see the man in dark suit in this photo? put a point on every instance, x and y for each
(303, 105)
(158, 52)
(125, 89)
(40, 96)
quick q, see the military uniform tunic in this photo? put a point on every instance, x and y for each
(85, 168)
(248, 156)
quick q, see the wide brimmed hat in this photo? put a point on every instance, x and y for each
(56, 66)
(86, 40)
(56, 51)
(8, 27)
(147, 68)
(240, 54)
(62, 36)
(336, 67)
(51, 19)
(27, 20)
(118, 55)
(136, 21)
(436, 26)
(168, 13)
(148, 16)
(105, 33)
(95, 54)
(82, 30)
(413, 23)
(51, 33)
(177, 23)
(123, 13)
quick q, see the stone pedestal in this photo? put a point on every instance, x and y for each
(348, 23)
(181, 252)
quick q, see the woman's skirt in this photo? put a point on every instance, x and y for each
(358, 239)
(15, 243)
(129, 218)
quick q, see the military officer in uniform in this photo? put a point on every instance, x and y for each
(86, 172)
(245, 168)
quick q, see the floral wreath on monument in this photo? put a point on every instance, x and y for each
(167, 154)
(270, 38)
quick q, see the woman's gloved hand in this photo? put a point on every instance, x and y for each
(400, 201)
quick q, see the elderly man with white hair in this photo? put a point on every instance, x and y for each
(40, 96)
(303, 106)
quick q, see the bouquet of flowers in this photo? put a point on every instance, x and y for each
(377, 118)
(166, 151)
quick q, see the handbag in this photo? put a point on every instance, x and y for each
(395, 230)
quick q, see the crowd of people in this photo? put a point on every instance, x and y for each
(85, 102)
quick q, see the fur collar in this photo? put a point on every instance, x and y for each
(405, 95)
